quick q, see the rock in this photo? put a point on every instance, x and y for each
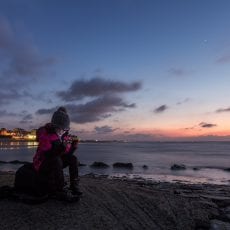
(97, 164)
(123, 165)
(145, 167)
(178, 167)
(227, 210)
(195, 168)
(227, 169)
(90, 175)
(226, 213)
(219, 225)
(219, 200)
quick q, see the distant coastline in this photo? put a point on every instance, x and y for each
(11, 139)
(6, 136)
(23, 139)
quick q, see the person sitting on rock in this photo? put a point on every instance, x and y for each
(55, 151)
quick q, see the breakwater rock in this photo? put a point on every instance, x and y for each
(178, 167)
(97, 164)
(123, 165)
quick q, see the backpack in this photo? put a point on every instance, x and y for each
(28, 182)
(28, 187)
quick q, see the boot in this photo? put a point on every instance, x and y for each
(64, 195)
(74, 187)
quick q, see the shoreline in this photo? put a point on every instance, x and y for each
(122, 203)
(174, 173)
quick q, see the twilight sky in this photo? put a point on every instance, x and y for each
(124, 69)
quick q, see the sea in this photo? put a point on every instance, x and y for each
(205, 162)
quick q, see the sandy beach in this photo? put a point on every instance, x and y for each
(123, 204)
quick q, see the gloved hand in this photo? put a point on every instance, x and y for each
(74, 144)
(58, 148)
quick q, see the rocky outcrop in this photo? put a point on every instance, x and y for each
(123, 165)
(178, 167)
(98, 164)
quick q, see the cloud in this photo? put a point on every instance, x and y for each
(177, 71)
(27, 119)
(207, 125)
(41, 96)
(160, 109)
(224, 59)
(201, 125)
(26, 62)
(190, 128)
(20, 61)
(97, 109)
(96, 87)
(94, 110)
(6, 96)
(140, 137)
(19, 55)
(184, 101)
(45, 111)
(4, 113)
(223, 110)
(103, 99)
(104, 129)
(23, 117)
(6, 33)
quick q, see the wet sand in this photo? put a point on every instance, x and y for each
(124, 204)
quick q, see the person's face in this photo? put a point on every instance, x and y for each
(60, 132)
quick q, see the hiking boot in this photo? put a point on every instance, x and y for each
(74, 187)
(65, 195)
(75, 190)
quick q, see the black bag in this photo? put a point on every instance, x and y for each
(27, 181)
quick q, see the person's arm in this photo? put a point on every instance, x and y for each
(57, 148)
(74, 146)
(50, 147)
(71, 144)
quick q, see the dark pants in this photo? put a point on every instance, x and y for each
(51, 171)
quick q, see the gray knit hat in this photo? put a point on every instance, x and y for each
(60, 119)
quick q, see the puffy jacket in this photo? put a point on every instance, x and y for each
(50, 144)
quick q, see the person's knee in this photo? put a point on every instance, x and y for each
(74, 159)
(69, 160)
(56, 162)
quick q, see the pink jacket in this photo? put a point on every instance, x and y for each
(46, 138)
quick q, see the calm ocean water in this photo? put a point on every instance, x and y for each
(209, 158)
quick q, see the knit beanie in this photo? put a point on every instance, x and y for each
(60, 119)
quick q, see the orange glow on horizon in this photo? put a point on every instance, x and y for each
(183, 133)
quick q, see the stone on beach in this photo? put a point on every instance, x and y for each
(123, 165)
(178, 167)
(98, 164)
(145, 167)
(219, 225)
